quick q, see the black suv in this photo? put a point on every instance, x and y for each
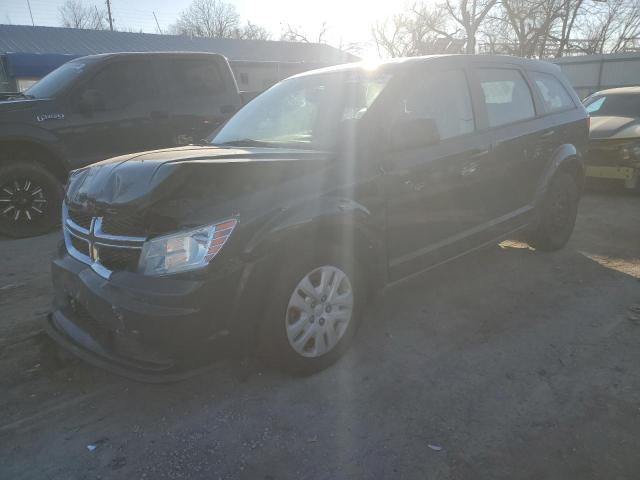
(96, 107)
(330, 185)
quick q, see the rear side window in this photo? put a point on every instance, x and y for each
(186, 77)
(506, 95)
(553, 93)
(442, 97)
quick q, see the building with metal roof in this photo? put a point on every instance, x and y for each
(591, 73)
(28, 53)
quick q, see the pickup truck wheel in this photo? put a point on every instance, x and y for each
(315, 311)
(30, 199)
(557, 214)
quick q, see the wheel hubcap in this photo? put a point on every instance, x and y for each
(22, 200)
(324, 294)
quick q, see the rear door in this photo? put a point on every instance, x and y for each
(508, 113)
(201, 93)
(434, 193)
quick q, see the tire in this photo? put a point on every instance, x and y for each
(322, 348)
(556, 216)
(30, 199)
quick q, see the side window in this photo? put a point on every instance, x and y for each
(444, 98)
(553, 93)
(506, 95)
(193, 78)
(118, 86)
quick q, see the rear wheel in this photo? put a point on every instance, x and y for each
(315, 311)
(30, 199)
(557, 214)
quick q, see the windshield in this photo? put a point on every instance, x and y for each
(613, 105)
(303, 112)
(56, 81)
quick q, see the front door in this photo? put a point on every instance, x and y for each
(116, 111)
(435, 193)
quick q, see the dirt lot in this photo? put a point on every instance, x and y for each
(508, 363)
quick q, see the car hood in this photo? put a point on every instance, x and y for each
(614, 128)
(183, 180)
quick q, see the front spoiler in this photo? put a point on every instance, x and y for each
(79, 343)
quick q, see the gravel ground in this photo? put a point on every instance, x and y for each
(505, 364)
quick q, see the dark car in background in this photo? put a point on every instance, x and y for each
(332, 184)
(96, 107)
(614, 151)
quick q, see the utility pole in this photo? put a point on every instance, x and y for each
(31, 13)
(157, 24)
(109, 13)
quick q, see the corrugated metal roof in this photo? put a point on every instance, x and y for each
(28, 39)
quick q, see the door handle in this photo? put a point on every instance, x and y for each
(547, 134)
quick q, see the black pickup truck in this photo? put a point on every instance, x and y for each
(96, 107)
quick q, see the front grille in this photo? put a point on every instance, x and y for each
(81, 245)
(116, 258)
(81, 219)
(131, 225)
(109, 244)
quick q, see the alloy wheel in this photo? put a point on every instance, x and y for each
(22, 200)
(319, 312)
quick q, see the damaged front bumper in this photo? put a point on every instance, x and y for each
(146, 328)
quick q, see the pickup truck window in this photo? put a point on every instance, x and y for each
(303, 112)
(190, 78)
(53, 83)
(506, 95)
(120, 85)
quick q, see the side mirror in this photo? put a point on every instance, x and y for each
(414, 133)
(90, 101)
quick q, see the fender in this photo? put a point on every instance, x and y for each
(566, 157)
(25, 133)
(329, 218)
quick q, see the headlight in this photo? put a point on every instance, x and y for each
(186, 250)
(630, 152)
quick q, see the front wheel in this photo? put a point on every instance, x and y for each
(315, 311)
(556, 215)
(30, 199)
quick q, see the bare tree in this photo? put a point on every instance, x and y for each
(570, 11)
(76, 14)
(418, 31)
(251, 31)
(470, 15)
(531, 22)
(295, 34)
(610, 27)
(208, 18)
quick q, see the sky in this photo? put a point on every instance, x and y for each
(348, 21)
